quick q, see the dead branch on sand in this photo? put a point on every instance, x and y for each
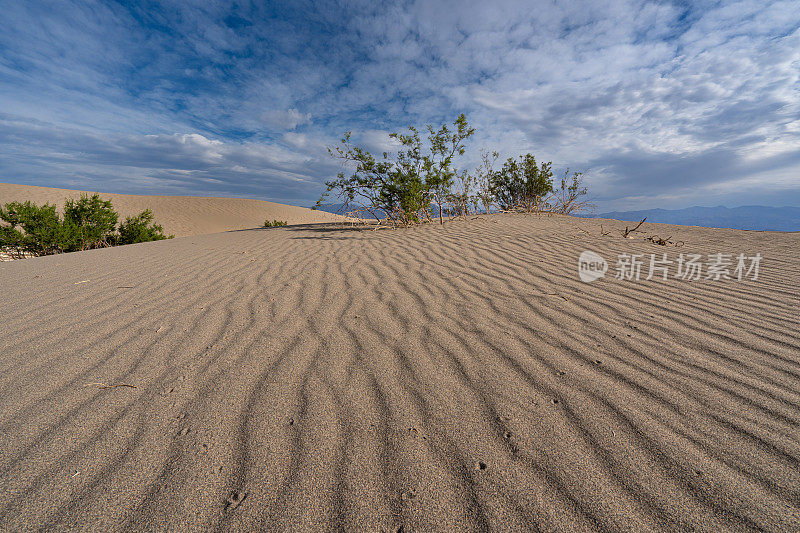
(557, 295)
(107, 386)
(655, 239)
(627, 231)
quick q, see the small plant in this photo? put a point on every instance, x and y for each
(482, 181)
(402, 187)
(140, 228)
(90, 222)
(408, 186)
(568, 199)
(274, 223)
(522, 186)
(32, 230)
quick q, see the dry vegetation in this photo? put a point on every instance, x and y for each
(420, 182)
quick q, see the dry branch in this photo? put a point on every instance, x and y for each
(628, 232)
(655, 239)
(107, 386)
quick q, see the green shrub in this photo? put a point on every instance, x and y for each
(31, 229)
(89, 222)
(274, 223)
(140, 229)
(523, 185)
(403, 186)
(406, 186)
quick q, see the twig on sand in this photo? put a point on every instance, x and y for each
(655, 239)
(107, 386)
(553, 294)
(79, 282)
(628, 232)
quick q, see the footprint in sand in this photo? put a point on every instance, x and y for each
(235, 500)
(408, 495)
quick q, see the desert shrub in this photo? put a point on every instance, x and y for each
(568, 198)
(90, 222)
(140, 228)
(274, 223)
(402, 187)
(522, 185)
(481, 182)
(407, 186)
(32, 229)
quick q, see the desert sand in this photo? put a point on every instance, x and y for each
(315, 378)
(179, 215)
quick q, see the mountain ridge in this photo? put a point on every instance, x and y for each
(747, 217)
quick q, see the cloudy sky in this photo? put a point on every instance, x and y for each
(661, 104)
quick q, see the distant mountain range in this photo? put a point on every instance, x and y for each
(752, 217)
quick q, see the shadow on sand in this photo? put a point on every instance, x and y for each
(320, 230)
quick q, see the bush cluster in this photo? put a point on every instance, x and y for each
(274, 223)
(421, 181)
(90, 222)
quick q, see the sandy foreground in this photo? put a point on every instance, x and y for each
(179, 215)
(436, 378)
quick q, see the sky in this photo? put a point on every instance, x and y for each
(660, 104)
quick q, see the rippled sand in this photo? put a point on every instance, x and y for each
(455, 378)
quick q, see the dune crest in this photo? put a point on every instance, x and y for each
(180, 215)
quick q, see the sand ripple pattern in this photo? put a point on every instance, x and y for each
(461, 378)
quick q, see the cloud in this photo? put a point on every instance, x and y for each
(187, 163)
(656, 100)
(286, 120)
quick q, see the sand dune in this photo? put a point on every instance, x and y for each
(180, 215)
(455, 378)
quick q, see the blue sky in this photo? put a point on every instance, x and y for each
(662, 104)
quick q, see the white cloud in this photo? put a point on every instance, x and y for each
(286, 120)
(644, 95)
